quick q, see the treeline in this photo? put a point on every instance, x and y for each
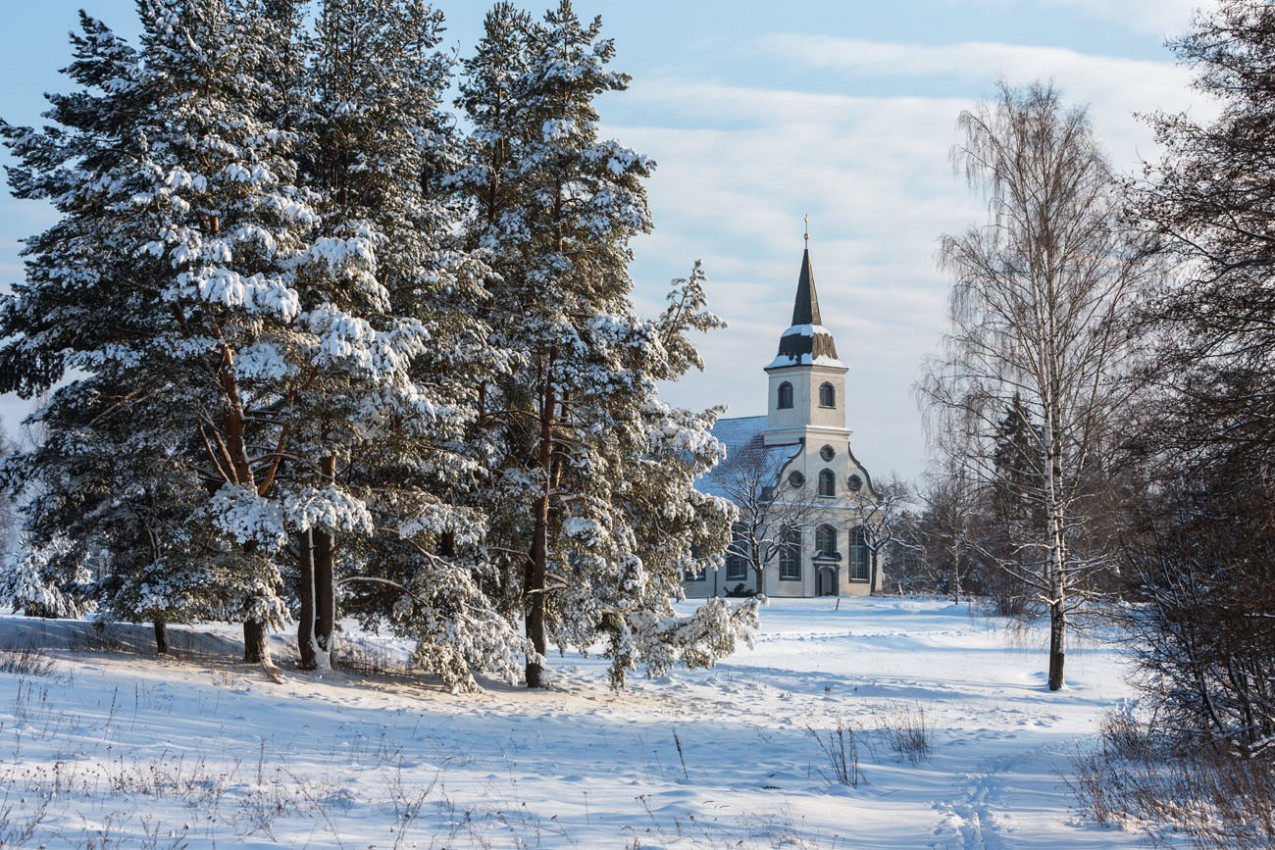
(1103, 410)
(317, 343)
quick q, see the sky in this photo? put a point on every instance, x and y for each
(761, 113)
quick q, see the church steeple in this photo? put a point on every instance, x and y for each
(807, 341)
(807, 381)
(806, 309)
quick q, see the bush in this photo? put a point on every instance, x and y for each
(1215, 796)
(905, 732)
(840, 748)
(26, 661)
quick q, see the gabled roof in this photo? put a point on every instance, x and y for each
(806, 342)
(744, 439)
(735, 433)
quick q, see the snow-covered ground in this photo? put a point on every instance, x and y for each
(118, 748)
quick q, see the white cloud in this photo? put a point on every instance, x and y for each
(1115, 88)
(1168, 18)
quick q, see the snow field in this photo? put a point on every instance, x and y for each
(117, 748)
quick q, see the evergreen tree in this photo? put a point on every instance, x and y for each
(675, 528)
(1017, 508)
(82, 298)
(1202, 557)
(572, 425)
(1211, 201)
(280, 347)
(168, 282)
(394, 352)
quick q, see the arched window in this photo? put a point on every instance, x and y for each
(858, 555)
(789, 554)
(827, 395)
(785, 396)
(827, 483)
(826, 541)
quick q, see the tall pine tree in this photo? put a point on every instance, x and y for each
(172, 269)
(395, 351)
(572, 424)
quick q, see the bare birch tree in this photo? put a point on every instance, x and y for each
(879, 514)
(1035, 313)
(767, 504)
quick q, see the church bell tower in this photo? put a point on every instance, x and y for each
(807, 401)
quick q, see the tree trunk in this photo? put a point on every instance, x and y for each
(537, 571)
(161, 635)
(306, 644)
(760, 571)
(1056, 563)
(324, 598)
(1057, 643)
(255, 650)
(234, 429)
(1057, 593)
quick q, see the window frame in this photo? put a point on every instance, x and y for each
(737, 561)
(827, 534)
(860, 562)
(789, 554)
(784, 401)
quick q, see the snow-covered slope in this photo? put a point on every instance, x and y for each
(117, 748)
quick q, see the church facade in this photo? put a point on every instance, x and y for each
(805, 503)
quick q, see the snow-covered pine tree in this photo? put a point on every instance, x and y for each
(395, 351)
(91, 481)
(675, 527)
(68, 303)
(167, 282)
(582, 452)
(487, 96)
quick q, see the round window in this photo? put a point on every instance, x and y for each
(827, 453)
(856, 483)
(796, 479)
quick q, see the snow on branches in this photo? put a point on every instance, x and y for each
(335, 356)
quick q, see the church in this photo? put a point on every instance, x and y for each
(806, 504)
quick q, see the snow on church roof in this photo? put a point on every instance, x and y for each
(744, 439)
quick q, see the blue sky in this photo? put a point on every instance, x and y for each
(758, 113)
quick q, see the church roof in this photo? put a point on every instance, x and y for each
(806, 342)
(746, 449)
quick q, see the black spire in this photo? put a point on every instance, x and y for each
(805, 311)
(807, 338)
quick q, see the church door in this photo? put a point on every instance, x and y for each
(826, 582)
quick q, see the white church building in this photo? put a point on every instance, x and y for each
(804, 499)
